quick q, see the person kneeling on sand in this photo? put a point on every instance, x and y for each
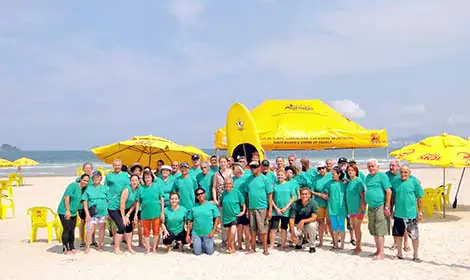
(406, 195)
(173, 228)
(303, 220)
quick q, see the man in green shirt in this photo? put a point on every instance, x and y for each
(260, 203)
(406, 195)
(196, 168)
(378, 197)
(214, 164)
(303, 220)
(268, 173)
(185, 185)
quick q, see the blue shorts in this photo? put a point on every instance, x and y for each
(337, 223)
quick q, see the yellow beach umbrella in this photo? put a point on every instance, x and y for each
(5, 163)
(442, 151)
(25, 162)
(147, 150)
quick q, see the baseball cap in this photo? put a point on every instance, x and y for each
(254, 164)
(95, 173)
(321, 164)
(184, 164)
(195, 157)
(342, 160)
(167, 167)
(265, 162)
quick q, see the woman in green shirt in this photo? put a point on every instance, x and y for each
(166, 183)
(233, 207)
(336, 193)
(175, 219)
(243, 229)
(129, 198)
(283, 197)
(355, 202)
(95, 205)
(67, 211)
(152, 205)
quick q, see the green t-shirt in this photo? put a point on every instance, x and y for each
(238, 184)
(116, 184)
(174, 219)
(271, 176)
(194, 171)
(97, 195)
(185, 187)
(311, 173)
(213, 170)
(203, 216)
(205, 182)
(319, 185)
(247, 172)
(150, 203)
(376, 185)
(231, 205)
(258, 188)
(132, 196)
(75, 193)
(303, 180)
(300, 212)
(336, 198)
(395, 179)
(406, 193)
(90, 183)
(294, 184)
(354, 189)
(282, 194)
(166, 187)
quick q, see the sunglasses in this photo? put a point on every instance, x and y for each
(199, 194)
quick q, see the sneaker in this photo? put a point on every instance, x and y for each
(312, 250)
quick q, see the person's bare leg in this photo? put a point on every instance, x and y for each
(140, 232)
(321, 231)
(357, 231)
(415, 248)
(117, 243)
(376, 246)
(88, 238)
(272, 237)
(335, 239)
(380, 247)
(246, 232)
(156, 239)
(264, 238)
(399, 243)
(253, 242)
(81, 231)
(146, 241)
(351, 234)
(283, 238)
(406, 244)
(128, 236)
(342, 236)
(240, 237)
(101, 231)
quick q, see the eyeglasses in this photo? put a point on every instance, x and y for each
(199, 194)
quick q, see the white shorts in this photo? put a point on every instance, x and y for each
(96, 220)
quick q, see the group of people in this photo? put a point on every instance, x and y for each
(248, 203)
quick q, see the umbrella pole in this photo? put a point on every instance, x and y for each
(442, 195)
(454, 205)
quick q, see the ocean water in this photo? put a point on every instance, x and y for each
(65, 163)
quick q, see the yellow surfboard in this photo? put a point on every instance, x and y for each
(242, 134)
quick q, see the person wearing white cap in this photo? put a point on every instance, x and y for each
(318, 190)
(166, 182)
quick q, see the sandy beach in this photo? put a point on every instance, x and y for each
(444, 249)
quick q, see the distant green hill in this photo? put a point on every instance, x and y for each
(9, 148)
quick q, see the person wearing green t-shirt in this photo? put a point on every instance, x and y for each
(129, 197)
(203, 219)
(95, 205)
(151, 202)
(205, 179)
(336, 191)
(233, 207)
(267, 172)
(214, 167)
(355, 203)
(378, 197)
(67, 212)
(260, 205)
(185, 185)
(117, 181)
(243, 230)
(166, 182)
(173, 227)
(283, 197)
(406, 195)
(196, 168)
(88, 170)
(291, 178)
(319, 191)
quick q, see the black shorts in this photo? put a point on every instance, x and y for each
(243, 220)
(276, 220)
(349, 224)
(410, 225)
(180, 237)
(234, 223)
(82, 214)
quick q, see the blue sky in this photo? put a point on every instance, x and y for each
(77, 74)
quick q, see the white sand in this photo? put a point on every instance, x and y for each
(445, 250)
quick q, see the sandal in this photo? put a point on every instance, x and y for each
(397, 257)
(417, 260)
